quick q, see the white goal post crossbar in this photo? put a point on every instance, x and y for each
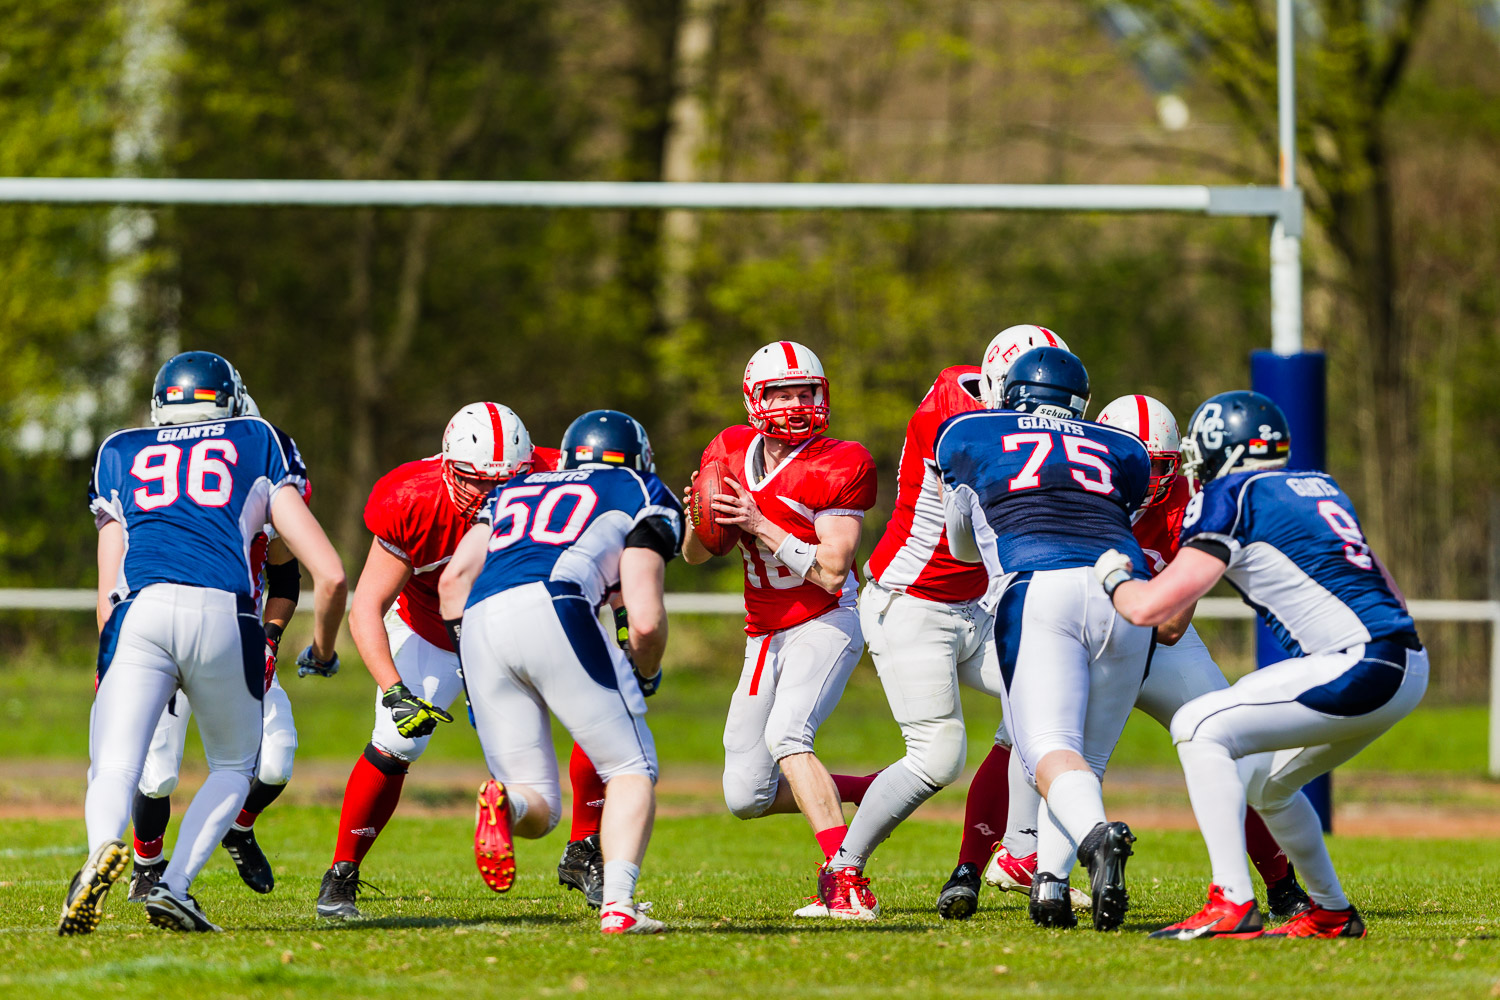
(1228, 608)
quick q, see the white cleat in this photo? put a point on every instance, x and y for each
(1009, 873)
(623, 918)
(170, 913)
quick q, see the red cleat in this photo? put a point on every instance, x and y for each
(1320, 923)
(1009, 873)
(1218, 918)
(493, 851)
(843, 894)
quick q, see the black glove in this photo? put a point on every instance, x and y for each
(622, 628)
(307, 663)
(273, 646)
(414, 717)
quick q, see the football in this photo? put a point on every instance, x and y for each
(717, 538)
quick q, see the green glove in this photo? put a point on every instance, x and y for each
(414, 717)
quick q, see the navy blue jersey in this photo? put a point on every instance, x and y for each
(1298, 556)
(192, 498)
(1044, 492)
(567, 526)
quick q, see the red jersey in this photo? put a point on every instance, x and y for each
(413, 518)
(822, 476)
(912, 556)
(1160, 527)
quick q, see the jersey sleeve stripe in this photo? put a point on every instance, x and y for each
(843, 511)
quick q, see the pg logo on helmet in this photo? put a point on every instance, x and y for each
(786, 392)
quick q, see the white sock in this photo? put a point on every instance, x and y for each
(1021, 814)
(619, 882)
(204, 824)
(1298, 830)
(518, 806)
(1056, 852)
(1076, 801)
(1218, 797)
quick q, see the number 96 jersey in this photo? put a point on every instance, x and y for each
(1044, 493)
(192, 498)
(568, 526)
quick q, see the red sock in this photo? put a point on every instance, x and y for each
(369, 800)
(588, 795)
(149, 850)
(1267, 856)
(852, 787)
(245, 819)
(831, 840)
(985, 808)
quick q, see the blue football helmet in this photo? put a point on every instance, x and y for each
(196, 386)
(1049, 382)
(1234, 431)
(607, 438)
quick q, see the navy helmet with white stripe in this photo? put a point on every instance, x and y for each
(1232, 432)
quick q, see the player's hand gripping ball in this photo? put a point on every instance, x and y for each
(710, 480)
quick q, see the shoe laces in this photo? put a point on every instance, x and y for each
(349, 886)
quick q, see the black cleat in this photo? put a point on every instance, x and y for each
(960, 896)
(1103, 852)
(341, 884)
(1287, 898)
(581, 867)
(166, 911)
(144, 879)
(251, 861)
(80, 912)
(1050, 904)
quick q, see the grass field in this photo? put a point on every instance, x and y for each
(726, 888)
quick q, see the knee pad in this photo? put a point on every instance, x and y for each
(154, 787)
(276, 756)
(384, 761)
(1185, 723)
(745, 799)
(940, 760)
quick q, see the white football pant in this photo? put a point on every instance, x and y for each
(428, 672)
(791, 682)
(1274, 730)
(537, 647)
(211, 645)
(278, 743)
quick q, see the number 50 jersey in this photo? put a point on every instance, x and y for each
(1044, 493)
(565, 527)
(192, 498)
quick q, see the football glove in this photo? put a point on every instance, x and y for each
(307, 663)
(622, 628)
(273, 644)
(414, 717)
(1112, 569)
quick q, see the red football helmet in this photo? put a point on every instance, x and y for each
(785, 363)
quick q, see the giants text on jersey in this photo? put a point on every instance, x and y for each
(912, 556)
(822, 476)
(191, 498)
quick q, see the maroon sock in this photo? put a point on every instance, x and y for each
(1267, 856)
(831, 840)
(986, 807)
(852, 787)
(588, 795)
(369, 800)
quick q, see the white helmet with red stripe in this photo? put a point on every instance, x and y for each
(1151, 421)
(484, 445)
(1008, 345)
(786, 364)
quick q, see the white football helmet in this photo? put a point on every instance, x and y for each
(1008, 345)
(484, 445)
(1151, 421)
(779, 364)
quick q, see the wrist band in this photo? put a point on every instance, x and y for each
(1114, 579)
(797, 555)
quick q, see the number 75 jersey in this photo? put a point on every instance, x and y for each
(191, 499)
(1044, 493)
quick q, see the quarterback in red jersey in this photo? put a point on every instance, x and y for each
(799, 500)
(418, 513)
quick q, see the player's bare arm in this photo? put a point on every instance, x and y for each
(306, 540)
(461, 572)
(1174, 590)
(111, 554)
(380, 583)
(1170, 631)
(642, 582)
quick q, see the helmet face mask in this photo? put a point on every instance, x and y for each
(1048, 382)
(1150, 420)
(1003, 350)
(775, 413)
(1235, 432)
(483, 445)
(196, 386)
